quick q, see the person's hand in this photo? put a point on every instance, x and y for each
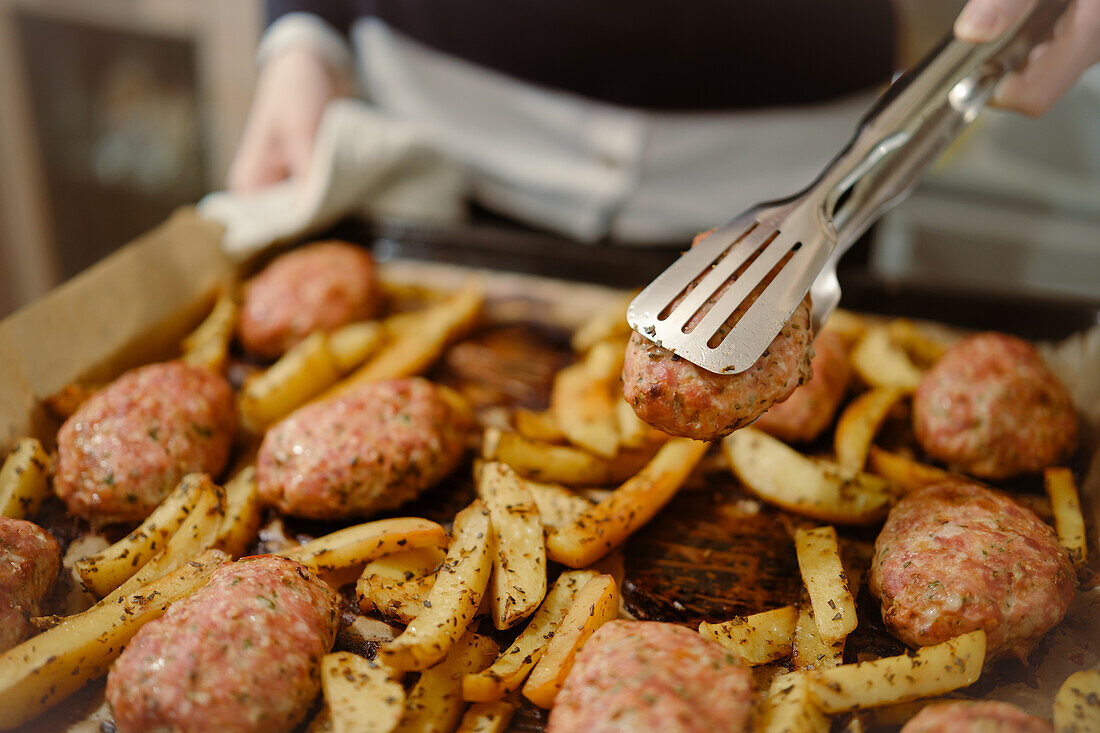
(1053, 67)
(291, 93)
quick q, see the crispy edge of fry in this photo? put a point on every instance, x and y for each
(757, 639)
(560, 464)
(809, 650)
(609, 523)
(454, 599)
(362, 543)
(49, 667)
(1066, 506)
(435, 702)
(860, 422)
(396, 585)
(109, 568)
(904, 472)
(518, 583)
(208, 345)
(24, 479)
(558, 505)
(487, 717)
(594, 605)
(583, 400)
(66, 401)
(880, 362)
(511, 668)
(361, 696)
(1077, 703)
(790, 707)
(823, 574)
(243, 513)
(537, 425)
(933, 670)
(822, 490)
(608, 323)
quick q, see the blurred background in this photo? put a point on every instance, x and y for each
(115, 112)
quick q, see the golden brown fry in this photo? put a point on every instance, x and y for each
(584, 397)
(1066, 506)
(397, 585)
(362, 543)
(858, 424)
(361, 695)
(243, 512)
(810, 651)
(881, 363)
(435, 704)
(904, 472)
(609, 324)
(594, 605)
(558, 505)
(487, 717)
(756, 639)
(1077, 704)
(923, 348)
(610, 522)
(299, 375)
(208, 345)
(633, 431)
(849, 326)
(354, 343)
(790, 707)
(24, 480)
(560, 464)
(454, 599)
(538, 426)
(827, 583)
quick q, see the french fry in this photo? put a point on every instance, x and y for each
(756, 639)
(594, 605)
(933, 670)
(881, 363)
(608, 324)
(904, 472)
(106, 570)
(826, 582)
(923, 348)
(361, 696)
(397, 585)
(860, 422)
(607, 524)
(810, 651)
(454, 599)
(47, 668)
(849, 326)
(559, 464)
(818, 489)
(66, 401)
(420, 341)
(1077, 704)
(519, 566)
(487, 717)
(558, 505)
(584, 397)
(508, 672)
(362, 543)
(208, 345)
(24, 480)
(538, 426)
(435, 704)
(354, 343)
(243, 513)
(1066, 506)
(299, 375)
(633, 431)
(790, 707)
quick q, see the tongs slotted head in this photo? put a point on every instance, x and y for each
(722, 303)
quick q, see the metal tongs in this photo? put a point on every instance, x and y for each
(780, 250)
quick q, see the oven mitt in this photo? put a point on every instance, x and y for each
(365, 164)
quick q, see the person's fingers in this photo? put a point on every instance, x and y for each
(257, 162)
(983, 20)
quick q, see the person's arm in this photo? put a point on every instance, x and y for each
(1053, 67)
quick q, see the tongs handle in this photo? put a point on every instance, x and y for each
(921, 113)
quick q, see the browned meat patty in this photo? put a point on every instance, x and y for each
(810, 409)
(651, 676)
(956, 557)
(314, 288)
(975, 717)
(241, 655)
(991, 408)
(131, 443)
(29, 561)
(370, 449)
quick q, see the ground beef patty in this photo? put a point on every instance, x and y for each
(29, 561)
(370, 449)
(810, 409)
(956, 557)
(650, 676)
(991, 408)
(975, 717)
(314, 288)
(240, 655)
(130, 443)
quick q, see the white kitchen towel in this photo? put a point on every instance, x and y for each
(363, 163)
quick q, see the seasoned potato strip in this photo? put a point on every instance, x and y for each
(435, 703)
(108, 569)
(454, 599)
(208, 345)
(557, 505)
(47, 668)
(819, 489)
(849, 326)
(487, 717)
(509, 671)
(923, 348)
(608, 324)
(361, 695)
(519, 564)
(24, 480)
(756, 639)
(904, 472)
(827, 583)
(354, 343)
(560, 464)
(810, 651)
(1066, 506)
(1077, 704)
(790, 707)
(362, 543)
(594, 605)
(881, 363)
(397, 585)
(633, 431)
(933, 670)
(538, 426)
(243, 512)
(299, 375)
(858, 424)
(584, 397)
(630, 506)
